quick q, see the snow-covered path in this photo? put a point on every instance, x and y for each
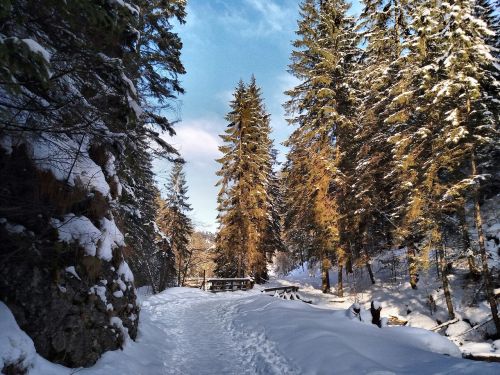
(202, 337)
(205, 342)
(189, 332)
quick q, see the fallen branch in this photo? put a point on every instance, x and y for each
(476, 327)
(396, 321)
(486, 357)
(445, 324)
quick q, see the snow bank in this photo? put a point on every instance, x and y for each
(15, 346)
(319, 341)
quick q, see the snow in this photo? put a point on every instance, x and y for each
(80, 229)
(132, 8)
(190, 332)
(124, 270)
(15, 345)
(134, 106)
(130, 85)
(457, 328)
(117, 322)
(96, 242)
(121, 284)
(14, 228)
(110, 239)
(100, 291)
(68, 161)
(72, 271)
(118, 294)
(35, 47)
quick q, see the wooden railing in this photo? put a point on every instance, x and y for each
(228, 284)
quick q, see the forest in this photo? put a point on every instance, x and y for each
(394, 149)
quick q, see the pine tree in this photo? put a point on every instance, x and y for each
(244, 202)
(175, 222)
(66, 104)
(467, 91)
(384, 26)
(323, 108)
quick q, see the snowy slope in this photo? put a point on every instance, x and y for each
(186, 331)
(392, 290)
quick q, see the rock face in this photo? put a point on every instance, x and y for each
(74, 306)
(68, 324)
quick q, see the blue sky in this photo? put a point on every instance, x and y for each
(225, 41)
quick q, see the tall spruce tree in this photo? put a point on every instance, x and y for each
(322, 106)
(384, 26)
(67, 102)
(175, 221)
(244, 200)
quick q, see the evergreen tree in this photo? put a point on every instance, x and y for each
(323, 109)
(244, 200)
(385, 27)
(66, 105)
(83, 85)
(446, 113)
(177, 225)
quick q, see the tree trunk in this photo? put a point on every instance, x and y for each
(348, 264)
(444, 280)
(412, 265)
(340, 284)
(186, 266)
(370, 272)
(179, 271)
(326, 277)
(375, 311)
(151, 279)
(482, 250)
(367, 264)
(473, 270)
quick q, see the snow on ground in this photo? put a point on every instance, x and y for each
(187, 331)
(392, 290)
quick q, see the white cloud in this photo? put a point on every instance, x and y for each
(197, 140)
(274, 17)
(260, 18)
(225, 97)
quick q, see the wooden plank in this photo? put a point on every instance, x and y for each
(292, 288)
(230, 278)
(229, 284)
(485, 357)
